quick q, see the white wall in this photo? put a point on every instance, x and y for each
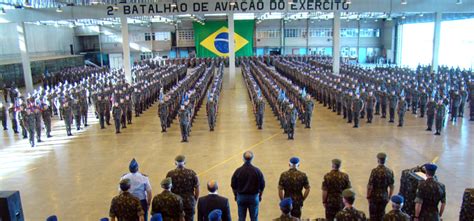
(42, 40)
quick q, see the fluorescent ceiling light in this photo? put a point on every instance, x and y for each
(244, 16)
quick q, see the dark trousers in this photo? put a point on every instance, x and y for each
(259, 120)
(461, 109)
(129, 116)
(102, 120)
(107, 117)
(47, 125)
(344, 112)
(422, 110)
(31, 135)
(384, 110)
(401, 117)
(68, 126)
(84, 118)
(123, 121)
(454, 113)
(144, 204)
(78, 121)
(332, 210)
(392, 114)
(356, 119)
(307, 119)
(250, 203)
(377, 108)
(290, 130)
(4, 122)
(377, 209)
(339, 107)
(414, 107)
(349, 115)
(430, 120)
(163, 122)
(14, 125)
(438, 124)
(184, 131)
(370, 115)
(117, 125)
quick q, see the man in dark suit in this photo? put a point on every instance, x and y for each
(212, 201)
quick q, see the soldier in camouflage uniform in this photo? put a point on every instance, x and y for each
(463, 94)
(333, 185)
(440, 115)
(123, 110)
(291, 185)
(84, 107)
(100, 107)
(117, 114)
(430, 113)
(423, 102)
(76, 109)
(66, 113)
(456, 102)
(37, 113)
(12, 112)
(349, 213)
(401, 109)
(396, 214)
(129, 105)
(184, 118)
(357, 107)
(260, 110)
(291, 115)
(429, 195)
(370, 104)
(211, 113)
(30, 124)
(163, 113)
(3, 116)
(167, 203)
(126, 206)
(286, 207)
(46, 115)
(186, 185)
(24, 129)
(308, 111)
(380, 188)
(392, 104)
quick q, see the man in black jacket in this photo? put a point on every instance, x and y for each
(248, 184)
(207, 204)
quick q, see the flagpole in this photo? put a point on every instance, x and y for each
(230, 20)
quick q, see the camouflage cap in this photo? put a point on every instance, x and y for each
(336, 162)
(180, 158)
(166, 182)
(381, 156)
(348, 193)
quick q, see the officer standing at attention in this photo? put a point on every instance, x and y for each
(308, 111)
(37, 113)
(163, 114)
(117, 113)
(370, 104)
(401, 109)
(357, 108)
(291, 185)
(66, 113)
(46, 115)
(349, 213)
(248, 184)
(184, 118)
(30, 124)
(125, 206)
(430, 113)
(260, 111)
(211, 113)
(291, 114)
(396, 214)
(429, 194)
(440, 115)
(393, 100)
(380, 188)
(186, 185)
(76, 109)
(167, 203)
(139, 186)
(13, 117)
(286, 206)
(101, 111)
(334, 183)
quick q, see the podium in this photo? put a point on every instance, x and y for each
(408, 185)
(10, 206)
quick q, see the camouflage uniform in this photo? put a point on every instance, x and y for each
(396, 215)
(13, 117)
(380, 179)
(286, 218)
(184, 182)
(163, 114)
(292, 182)
(66, 113)
(126, 207)
(430, 193)
(30, 124)
(308, 111)
(334, 183)
(350, 214)
(260, 105)
(169, 205)
(46, 114)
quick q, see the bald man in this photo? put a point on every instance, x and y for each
(213, 201)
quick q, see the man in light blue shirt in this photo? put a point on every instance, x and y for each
(139, 186)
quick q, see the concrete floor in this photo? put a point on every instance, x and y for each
(76, 178)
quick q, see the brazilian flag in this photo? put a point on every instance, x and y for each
(212, 38)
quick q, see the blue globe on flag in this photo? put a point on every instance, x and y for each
(221, 42)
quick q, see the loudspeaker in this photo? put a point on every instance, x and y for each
(10, 206)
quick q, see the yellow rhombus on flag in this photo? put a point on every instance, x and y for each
(210, 42)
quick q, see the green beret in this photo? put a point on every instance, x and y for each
(348, 193)
(381, 156)
(336, 162)
(180, 158)
(166, 182)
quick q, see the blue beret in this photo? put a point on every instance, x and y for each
(294, 160)
(397, 199)
(431, 167)
(286, 203)
(215, 215)
(133, 167)
(157, 217)
(104, 219)
(52, 218)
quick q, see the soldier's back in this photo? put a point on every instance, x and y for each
(184, 181)
(293, 181)
(168, 204)
(350, 214)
